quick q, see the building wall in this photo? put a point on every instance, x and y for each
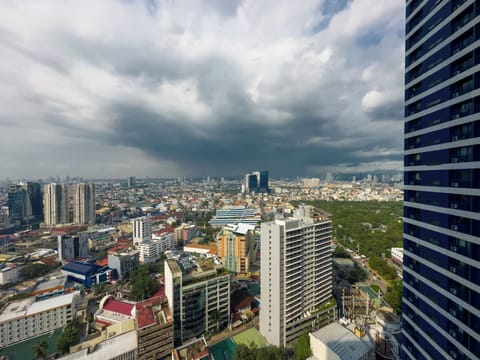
(441, 268)
(142, 229)
(72, 247)
(236, 250)
(26, 327)
(124, 263)
(55, 204)
(84, 204)
(320, 350)
(9, 275)
(296, 258)
(155, 342)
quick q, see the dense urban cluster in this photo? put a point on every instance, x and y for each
(147, 268)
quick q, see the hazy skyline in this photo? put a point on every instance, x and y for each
(168, 88)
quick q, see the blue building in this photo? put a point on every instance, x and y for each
(441, 277)
(88, 274)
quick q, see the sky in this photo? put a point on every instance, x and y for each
(103, 89)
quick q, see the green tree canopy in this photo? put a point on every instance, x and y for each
(69, 337)
(31, 270)
(302, 347)
(142, 285)
(40, 350)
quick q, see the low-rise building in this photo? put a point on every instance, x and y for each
(336, 342)
(387, 324)
(87, 274)
(397, 255)
(198, 293)
(124, 262)
(10, 274)
(25, 319)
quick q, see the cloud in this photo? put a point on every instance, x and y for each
(199, 88)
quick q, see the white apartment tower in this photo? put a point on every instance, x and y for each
(142, 229)
(296, 271)
(84, 204)
(55, 204)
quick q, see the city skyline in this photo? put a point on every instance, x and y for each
(165, 89)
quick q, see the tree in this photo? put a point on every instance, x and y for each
(302, 347)
(250, 352)
(31, 270)
(142, 285)
(393, 296)
(69, 336)
(40, 350)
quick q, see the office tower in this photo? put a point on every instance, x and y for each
(142, 229)
(198, 294)
(17, 202)
(55, 204)
(236, 247)
(132, 182)
(441, 260)
(72, 247)
(84, 204)
(256, 182)
(35, 199)
(296, 271)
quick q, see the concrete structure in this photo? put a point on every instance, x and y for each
(397, 255)
(387, 325)
(25, 319)
(256, 182)
(235, 215)
(198, 293)
(142, 229)
(153, 323)
(72, 247)
(9, 274)
(149, 251)
(236, 247)
(124, 262)
(84, 204)
(335, 342)
(25, 202)
(441, 263)
(296, 269)
(87, 274)
(184, 233)
(55, 204)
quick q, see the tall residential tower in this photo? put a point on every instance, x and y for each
(441, 291)
(84, 204)
(55, 204)
(296, 269)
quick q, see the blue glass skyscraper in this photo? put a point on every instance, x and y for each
(441, 277)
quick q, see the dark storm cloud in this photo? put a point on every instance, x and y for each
(214, 87)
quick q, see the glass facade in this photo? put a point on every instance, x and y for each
(441, 277)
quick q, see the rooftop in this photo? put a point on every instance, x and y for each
(343, 342)
(240, 228)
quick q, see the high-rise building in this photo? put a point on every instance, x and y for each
(55, 204)
(72, 247)
(17, 202)
(296, 268)
(124, 262)
(198, 294)
(142, 229)
(236, 247)
(256, 182)
(84, 204)
(441, 256)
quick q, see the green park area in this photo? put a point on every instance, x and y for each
(250, 336)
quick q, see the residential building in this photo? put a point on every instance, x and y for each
(153, 323)
(27, 318)
(9, 273)
(296, 269)
(149, 251)
(184, 233)
(236, 247)
(441, 260)
(124, 262)
(72, 247)
(55, 204)
(198, 293)
(142, 229)
(397, 256)
(234, 215)
(84, 204)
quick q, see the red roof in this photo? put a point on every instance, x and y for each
(102, 261)
(119, 307)
(103, 322)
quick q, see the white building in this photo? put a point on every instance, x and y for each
(335, 342)
(296, 269)
(142, 229)
(150, 251)
(397, 255)
(9, 274)
(25, 319)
